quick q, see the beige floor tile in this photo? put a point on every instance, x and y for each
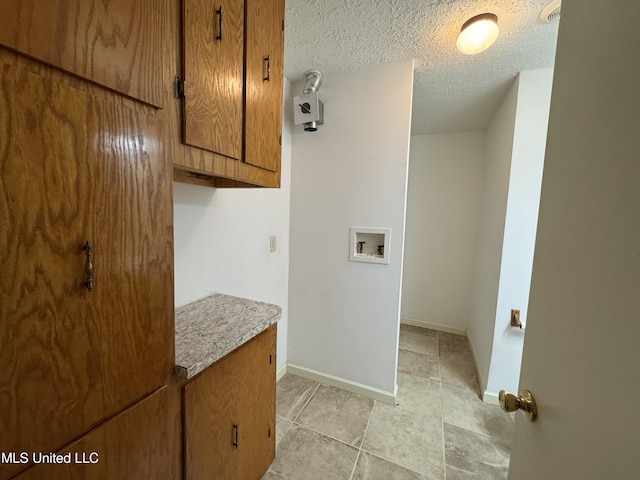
(282, 425)
(419, 394)
(371, 467)
(418, 340)
(459, 373)
(463, 409)
(272, 476)
(292, 394)
(440, 426)
(452, 338)
(454, 347)
(418, 364)
(307, 455)
(407, 438)
(469, 455)
(340, 414)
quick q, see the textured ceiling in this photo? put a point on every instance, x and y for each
(452, 91)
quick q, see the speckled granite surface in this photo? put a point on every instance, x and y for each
(210, 328)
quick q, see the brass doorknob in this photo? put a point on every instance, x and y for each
(525, 402)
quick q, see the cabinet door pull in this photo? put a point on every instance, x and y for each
(267, 62)
(88, 252)
(235, 435)
(219, 13)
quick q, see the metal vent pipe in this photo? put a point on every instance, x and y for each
(314, 79)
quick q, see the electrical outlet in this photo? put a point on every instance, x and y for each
(273, 243)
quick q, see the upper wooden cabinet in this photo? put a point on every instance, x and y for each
(118, 44)
(76, 168)
(213, 64)
(233, 80)
(264, 80)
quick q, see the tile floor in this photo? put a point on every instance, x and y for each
(439, 428)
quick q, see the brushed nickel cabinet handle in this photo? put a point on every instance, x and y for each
(88, 252)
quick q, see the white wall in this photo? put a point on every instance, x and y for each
(344, 316)
(443, 206)
(495, 187)
(527, 159)
(516, 140)
(222, 242)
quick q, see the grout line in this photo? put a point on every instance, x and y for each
(355, 464)
(307, 402)
(285, 430)
(374, 454)
(364, 435)
(325, 435)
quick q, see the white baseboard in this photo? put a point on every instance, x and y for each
(349, 386)
(433, 326)
(490, 397)
(487, 397)
(281, 372)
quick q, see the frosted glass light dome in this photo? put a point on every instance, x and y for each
(478, 33)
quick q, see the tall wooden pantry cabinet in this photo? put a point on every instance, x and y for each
(86, 309)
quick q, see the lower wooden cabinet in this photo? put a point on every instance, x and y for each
(229, 414)
(131, 446)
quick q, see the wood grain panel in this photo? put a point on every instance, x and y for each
(76, 168)
(131, 446)
(51, 383)
(263, 108)
(213, 72)
(210, 412)
(258, 408)
(133, 254)
(117, 43)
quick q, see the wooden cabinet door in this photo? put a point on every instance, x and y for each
(213, 42)
(74, 169)
(257, 447)
(132, 255)
(264, 83)
(52, 382)
(118, 44)
(230, 414)
(211, 420)
(131, 446)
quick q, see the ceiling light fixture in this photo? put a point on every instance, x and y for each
(551, 13)
(478, 33)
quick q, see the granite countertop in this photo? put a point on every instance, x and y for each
(210, 328)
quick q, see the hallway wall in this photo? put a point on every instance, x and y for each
(443, 206)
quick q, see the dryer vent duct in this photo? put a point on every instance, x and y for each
(308, 109)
